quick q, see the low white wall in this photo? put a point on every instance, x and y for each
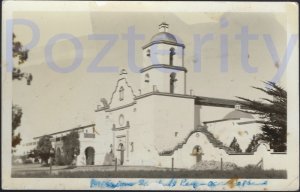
(184, 159)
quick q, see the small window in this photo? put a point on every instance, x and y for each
(121, 94)
(121, 120)
(131, 147)
(148, 53)
(147, 78)
(176, 133)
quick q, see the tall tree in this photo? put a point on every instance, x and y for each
(71, 146)
(43, 148)
(16, 121)
(273, 115)
(22, 55)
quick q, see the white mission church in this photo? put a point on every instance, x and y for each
(162, 121)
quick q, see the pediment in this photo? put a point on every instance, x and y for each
(123, 94)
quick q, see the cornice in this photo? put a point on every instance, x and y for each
(163, 66)
(163, 42)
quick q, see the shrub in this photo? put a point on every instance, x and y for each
(60, 160)
(26, 160)
(235, 146)
(251, 167)
(71, 147)
(254, 142)
(43, 148)
(213, 165)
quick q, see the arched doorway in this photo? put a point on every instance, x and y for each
(121, 149)
(58, 157)
(90, 155)
(198, 153)
(58, 152)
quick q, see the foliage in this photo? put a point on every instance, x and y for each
(213, 165)
(273, 114)
(254, 143)
(251, 167)
(22, 55)
(26, 160)
(43, 147)
(19, 51)
(235, 146)
(60, 160)
(71, 147)
(16, 121)
(19, 75)
(33, 153)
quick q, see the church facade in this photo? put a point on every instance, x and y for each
(163, 123)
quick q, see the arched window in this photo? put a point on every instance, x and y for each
(121, 93)
(121, 120)
(172, 52)
(172, 82)
(147, 78)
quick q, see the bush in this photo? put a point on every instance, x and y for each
(17, 160)
(60, 160)
(235, 146)
(213, 165)
(71, 147)
(252, 167)
(26, 160)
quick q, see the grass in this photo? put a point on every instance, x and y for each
(216, 174)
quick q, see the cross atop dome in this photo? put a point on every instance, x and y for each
(163, 27)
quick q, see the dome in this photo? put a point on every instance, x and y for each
(236, 114)
(164, 36)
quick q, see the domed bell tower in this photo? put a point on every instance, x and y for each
(163, 64)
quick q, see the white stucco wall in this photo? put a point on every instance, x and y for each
(172, 114)
(142, 133)
(184, 159)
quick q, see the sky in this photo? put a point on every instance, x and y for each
(58, 101)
